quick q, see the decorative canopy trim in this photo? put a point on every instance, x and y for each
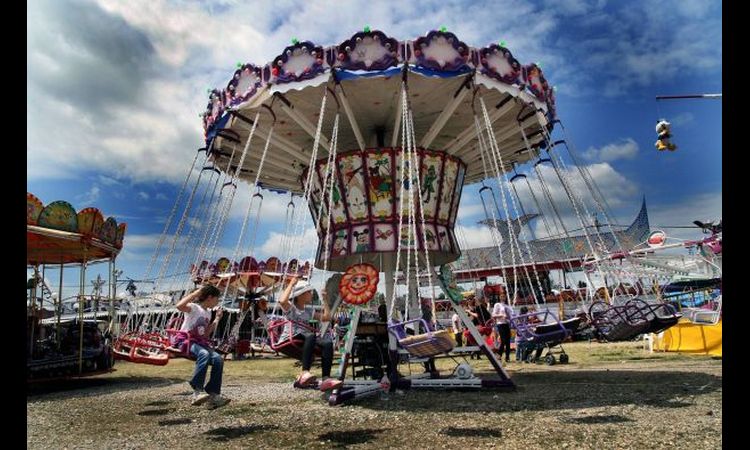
(439, 52)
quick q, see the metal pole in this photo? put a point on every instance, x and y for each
(33, 307)
(80, 313)
(678, 97)
(58, 307)
(111, 294)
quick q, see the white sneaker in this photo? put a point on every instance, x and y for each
(217, 401)
(200, 398)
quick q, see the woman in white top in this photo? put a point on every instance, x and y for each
(458, 329)
(502, 314)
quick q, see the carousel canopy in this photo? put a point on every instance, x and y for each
(362, 78)
(56, 234)
(248, 273)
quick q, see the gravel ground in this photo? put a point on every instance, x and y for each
(619, 398)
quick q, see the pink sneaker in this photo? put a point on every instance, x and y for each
(305, 380)
(330, 384)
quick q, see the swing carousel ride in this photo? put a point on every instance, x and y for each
(377, 137)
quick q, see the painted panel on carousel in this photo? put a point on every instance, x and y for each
(535, 81)
(59, 215)
(305, 271)
(385, 237)
(273, 264)
(351, 169)
(430, 236)
(108, 233)
(292, 266)
(407, 237)
(243, 85)
(121, 229)
(214, 109)
(340, 241)
(431, 170)
(248, 264)
(444, 239)
(361, 239)
(441, 50)
(450, 173)
(457, 192)
(222, 265)
(300, 61)
(379, 170)
(368, 50)
(34, 207)
(337, 200)
(497, 62)
(90, 221)
(404, 186)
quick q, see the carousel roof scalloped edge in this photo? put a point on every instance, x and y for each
(60, 215)
(249, 78)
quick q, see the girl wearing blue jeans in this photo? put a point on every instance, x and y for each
(198, 326)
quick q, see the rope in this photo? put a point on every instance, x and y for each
(392, 305)
(180, 225)
(331, 170)
(172, 213)
(498, 163)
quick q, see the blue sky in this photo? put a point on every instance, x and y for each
(115, 88)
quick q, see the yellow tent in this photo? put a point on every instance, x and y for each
(688, 337)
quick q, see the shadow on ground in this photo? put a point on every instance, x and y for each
(471, 432)
(351, 437)
(550, 390)
(121, 383)
(589, 420)
(224, 434)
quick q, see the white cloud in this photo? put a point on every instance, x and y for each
(473, 236)
(703, 207)
(682, 119)
(300, 246)
(468, 211)
(624, 149)
(90, 196)
(143, 195)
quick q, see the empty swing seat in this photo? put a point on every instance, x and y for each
(426, 344)
(618, 323)
(661, 316)
(142, 349)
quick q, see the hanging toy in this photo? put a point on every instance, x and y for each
(664, 132)
(359, 284)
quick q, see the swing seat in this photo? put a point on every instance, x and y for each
(291, 345)
(426, 344)
(660, 316)
(140, 349)
(179, 344)
(618, 323)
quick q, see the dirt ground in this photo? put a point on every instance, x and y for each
(608, 396)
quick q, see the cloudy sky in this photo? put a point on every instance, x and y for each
(115, 88)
